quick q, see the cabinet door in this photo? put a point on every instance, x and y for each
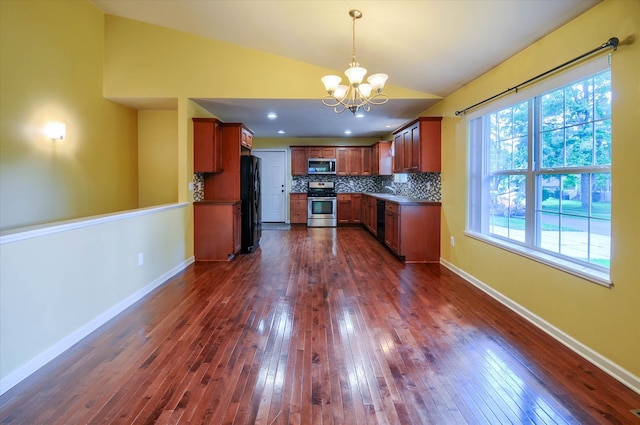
(354, 167)
(430, 144)
(408, 150)
(207, 145)
(414, 163)
(367, 161)
(356, 208)
(344, 208)
(398, 153)
(382, 162)
(299, 161)
(391, 227)
(342, 161)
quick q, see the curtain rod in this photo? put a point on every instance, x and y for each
(612, 42)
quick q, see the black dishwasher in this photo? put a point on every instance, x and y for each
(380, 222)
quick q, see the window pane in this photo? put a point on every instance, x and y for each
(579, 102)
(508, 148)
(549, 231)
(553, 149)
(520, 156)
(574, 237)
(521, 119)
(579, 145)
(603, 142)
(601, 195)
(552, 110)
(508, 206)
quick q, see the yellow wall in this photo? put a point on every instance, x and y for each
(605, 320)
(144, 60)
(157, 157)
(51, 68)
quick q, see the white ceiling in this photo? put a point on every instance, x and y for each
(431, 46)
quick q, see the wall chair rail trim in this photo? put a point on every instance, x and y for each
(23, 233)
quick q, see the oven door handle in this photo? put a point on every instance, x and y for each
(322, 198)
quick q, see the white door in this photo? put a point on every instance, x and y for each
(273, 178)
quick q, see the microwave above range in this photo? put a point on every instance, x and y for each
(321, 166)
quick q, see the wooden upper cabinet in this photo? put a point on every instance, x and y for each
(366, 168)
(381, 163)
(354, 164)
(348, 161)
(398, 153)
(321, 152)
(342, 161)
(417, 146)
(299, 161)
(207, 145)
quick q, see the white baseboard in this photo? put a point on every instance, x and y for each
(624, 376)
(20, 374)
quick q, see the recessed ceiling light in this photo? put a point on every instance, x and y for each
(347, 132)
(272, 115)
(280, 131)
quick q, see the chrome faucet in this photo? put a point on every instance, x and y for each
(393, 189)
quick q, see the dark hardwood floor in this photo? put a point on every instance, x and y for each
(319, 326)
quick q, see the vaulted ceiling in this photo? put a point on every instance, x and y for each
(434, 47)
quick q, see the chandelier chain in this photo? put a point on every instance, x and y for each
(353, 40)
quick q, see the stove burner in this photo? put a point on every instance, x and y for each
(321, 190)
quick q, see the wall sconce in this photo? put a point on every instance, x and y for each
(55, 130)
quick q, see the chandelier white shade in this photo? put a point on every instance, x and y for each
(356, 95)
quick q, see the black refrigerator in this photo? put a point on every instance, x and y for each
(250, 197)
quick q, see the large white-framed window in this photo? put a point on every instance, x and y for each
(540, 172)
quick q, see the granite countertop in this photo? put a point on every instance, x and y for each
(400, 199)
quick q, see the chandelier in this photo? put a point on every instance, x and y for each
(357, 95)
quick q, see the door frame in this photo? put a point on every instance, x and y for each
(287, 175)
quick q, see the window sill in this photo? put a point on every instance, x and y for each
(595, 276)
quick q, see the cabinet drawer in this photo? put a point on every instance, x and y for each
(343, 197)
(298, 217)
(299, 205)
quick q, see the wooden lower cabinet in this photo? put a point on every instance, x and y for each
(217, 230)
(349, 208)
(370, 213)
(356, 208)
(412, 231)
(298, 208)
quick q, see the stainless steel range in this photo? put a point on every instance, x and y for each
(321, 198)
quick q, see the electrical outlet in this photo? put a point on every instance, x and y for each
(191, 186)
(140, 258)
(453, 241)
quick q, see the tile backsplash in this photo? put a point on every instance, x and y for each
(418, 185)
